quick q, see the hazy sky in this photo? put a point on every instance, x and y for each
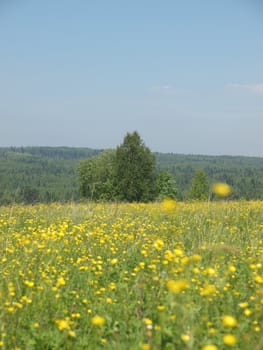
(187, 75)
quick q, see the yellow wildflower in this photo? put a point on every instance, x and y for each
(185, 337)
(177, 286)
(148, 323)
(247, 312)
(146, 347)
(221, 189)
(229, 321)
(98, 320)
(61, 281)
(63, 324)
(229, 339)
(210, 347)
(208, 289)
(29, 283)
(160, 307)
(168, 205)
(243, 305)
(158, 244)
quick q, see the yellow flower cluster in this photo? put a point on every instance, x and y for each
(142, 276)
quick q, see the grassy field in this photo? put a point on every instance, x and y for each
(135, 276)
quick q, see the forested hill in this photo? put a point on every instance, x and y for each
(244, 174)
(70, 153)
(50, 173)
(40, 173)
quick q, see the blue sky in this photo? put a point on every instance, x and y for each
(187, 75)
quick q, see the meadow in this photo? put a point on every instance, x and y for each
(132, 276)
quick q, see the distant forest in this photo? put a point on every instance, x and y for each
(48, 174)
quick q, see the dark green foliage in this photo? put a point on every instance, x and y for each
(127, 173)
(199, 188)
(135, 170)
(29, 194)
(52, 171)
(166, 187)
(97, 175)
(244, 174)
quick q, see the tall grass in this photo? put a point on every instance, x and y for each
(132, 276)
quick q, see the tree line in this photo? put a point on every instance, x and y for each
(47, 174)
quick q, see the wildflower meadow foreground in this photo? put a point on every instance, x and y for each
(132, 276)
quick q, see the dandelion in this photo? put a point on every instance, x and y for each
(146, 347)
(148, 323)
(247, 312)
(229, 321)
(221, 189)
(210, 271)
(168, 205)
(98, 320)
(178, 252)
(243, 304)
(158, 244)
(61, 281)
(29, 283)
(196, 257)
(63, 324)
(229, 339)
(185, 337)
(112, 286)
(168, 255)
(160, 307)
(259, 279)
(212, 331)
(177, 287)
(210, 347)
(208, 289)
(232, 268)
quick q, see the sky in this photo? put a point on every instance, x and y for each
(187, 75)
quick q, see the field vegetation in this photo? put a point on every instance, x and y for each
(132, 276)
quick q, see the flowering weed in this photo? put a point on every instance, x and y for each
(132, 276)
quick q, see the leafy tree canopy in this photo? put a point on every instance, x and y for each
(166, 187)
(97, 175)
(199, 188)
(127, 173)
(135, 170)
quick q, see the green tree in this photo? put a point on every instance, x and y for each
(135, 170)
(165, 184)
(199, 187)
(30, 194)
(96, 176)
